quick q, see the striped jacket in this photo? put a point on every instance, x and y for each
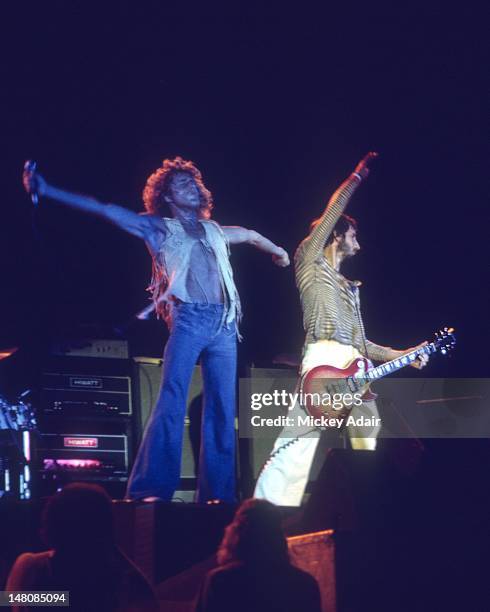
(330, 302)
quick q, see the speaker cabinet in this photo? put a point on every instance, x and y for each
(255, 451)
(148, 380)
(315, 553)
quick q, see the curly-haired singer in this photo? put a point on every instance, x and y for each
(194, 291)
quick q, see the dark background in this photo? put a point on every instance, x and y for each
(275, 108)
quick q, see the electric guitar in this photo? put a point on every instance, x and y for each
(331, 393)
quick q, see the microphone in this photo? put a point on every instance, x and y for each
(30, 166)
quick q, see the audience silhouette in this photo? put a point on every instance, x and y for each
(255, 574)
(83, 559)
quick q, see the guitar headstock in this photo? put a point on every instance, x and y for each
(445, 340)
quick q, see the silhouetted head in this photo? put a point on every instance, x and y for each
(79, 518)
(177, 183)
(255, 536)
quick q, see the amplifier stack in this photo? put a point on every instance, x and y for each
(85, 417)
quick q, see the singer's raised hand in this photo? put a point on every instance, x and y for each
(32, 180)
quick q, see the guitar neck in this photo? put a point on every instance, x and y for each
(400, 362)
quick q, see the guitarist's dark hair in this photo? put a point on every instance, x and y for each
(340, 228)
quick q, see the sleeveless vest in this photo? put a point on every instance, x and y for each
(171, 265)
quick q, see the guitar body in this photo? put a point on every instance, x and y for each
(328, 392)
(326, 381)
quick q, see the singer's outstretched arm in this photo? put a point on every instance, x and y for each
(148, 227)
(241, 235)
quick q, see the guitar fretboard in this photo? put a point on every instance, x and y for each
(400, 362)
(444, 342)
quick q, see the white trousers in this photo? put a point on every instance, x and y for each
(285, 475)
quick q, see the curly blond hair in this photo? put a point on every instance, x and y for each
(157, 186)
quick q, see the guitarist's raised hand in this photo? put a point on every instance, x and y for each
(362, 168)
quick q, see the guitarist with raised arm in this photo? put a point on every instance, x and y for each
(194, 291)
(334, 335)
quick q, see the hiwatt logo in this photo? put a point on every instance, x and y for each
(85, 382)
(81, 442)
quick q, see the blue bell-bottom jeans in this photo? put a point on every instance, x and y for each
(197, 331)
